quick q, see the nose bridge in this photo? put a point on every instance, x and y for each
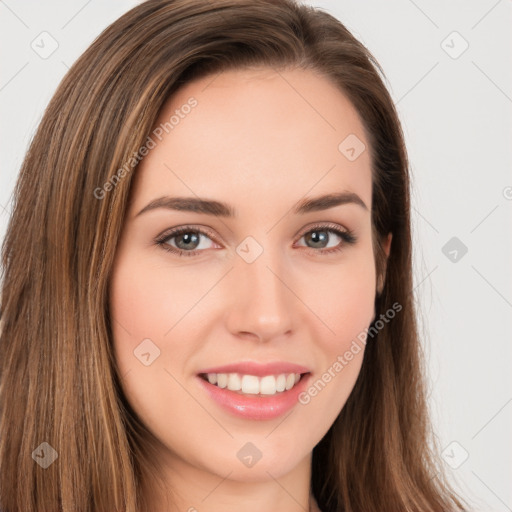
(261, 301)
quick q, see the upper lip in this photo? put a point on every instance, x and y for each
(258, 369)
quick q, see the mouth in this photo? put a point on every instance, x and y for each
(254, 390)
(255, 397)
(245, 384)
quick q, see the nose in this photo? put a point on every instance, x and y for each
(261, 302)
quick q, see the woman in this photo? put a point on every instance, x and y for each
(259, 367)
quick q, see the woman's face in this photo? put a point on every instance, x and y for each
(267, 291)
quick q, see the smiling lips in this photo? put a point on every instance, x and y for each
(254, 390)
(255, 378)
(253, 385)
(258, 369)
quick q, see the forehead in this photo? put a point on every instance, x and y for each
(256, 134)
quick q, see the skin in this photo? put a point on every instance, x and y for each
(260, 141)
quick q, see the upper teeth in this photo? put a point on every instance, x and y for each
(253, 385)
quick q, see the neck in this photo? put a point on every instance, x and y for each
(313, 505)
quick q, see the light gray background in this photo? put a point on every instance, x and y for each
(455, 111)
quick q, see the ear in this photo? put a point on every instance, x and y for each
(386, 246)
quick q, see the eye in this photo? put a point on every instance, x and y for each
(322, 235)
(188, 240)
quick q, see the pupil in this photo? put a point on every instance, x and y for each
(187, 237)
(318, 238)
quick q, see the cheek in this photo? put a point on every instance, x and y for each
(344, 301)
(145, 304)
(349, 305)
(137, 315)
(343, 297)
(147, 301)
(154, 309)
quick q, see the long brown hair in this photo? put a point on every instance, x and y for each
(58, 378)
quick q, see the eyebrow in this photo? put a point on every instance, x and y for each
(220, 209)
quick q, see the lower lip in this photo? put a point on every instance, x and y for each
(256, 407)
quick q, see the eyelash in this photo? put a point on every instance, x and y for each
(347, 236)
